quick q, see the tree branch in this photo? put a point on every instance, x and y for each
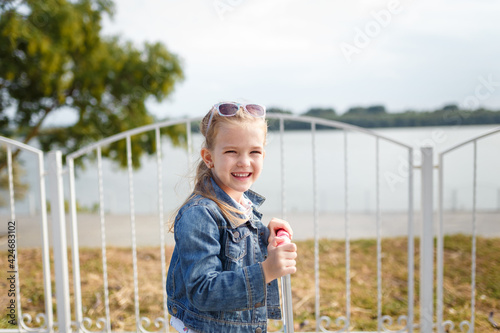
(34, 131)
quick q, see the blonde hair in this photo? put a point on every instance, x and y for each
(202, 180)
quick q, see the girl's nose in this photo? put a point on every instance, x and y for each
(243, 161)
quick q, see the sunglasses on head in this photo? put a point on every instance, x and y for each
(228, 109)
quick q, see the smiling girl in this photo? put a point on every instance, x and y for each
(223, 271)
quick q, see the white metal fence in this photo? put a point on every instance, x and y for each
(70, 314)
(14, 308)
(465, 325)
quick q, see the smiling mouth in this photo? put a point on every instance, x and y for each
(241, 174)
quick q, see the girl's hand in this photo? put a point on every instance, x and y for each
(280, 260)
(275, 225)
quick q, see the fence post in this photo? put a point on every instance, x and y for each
(427, 243)
(56, 197)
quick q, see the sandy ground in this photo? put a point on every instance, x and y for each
(329, 225)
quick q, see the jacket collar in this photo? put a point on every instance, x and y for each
(255, 197)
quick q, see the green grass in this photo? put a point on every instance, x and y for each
(363, 279)
(332, 283)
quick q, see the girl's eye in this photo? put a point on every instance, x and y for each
(230, 151)
(256, 152)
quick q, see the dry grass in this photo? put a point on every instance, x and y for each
(363, 283)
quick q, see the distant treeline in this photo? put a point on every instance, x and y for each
(377, 116)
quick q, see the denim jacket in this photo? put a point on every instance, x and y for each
(215, 280)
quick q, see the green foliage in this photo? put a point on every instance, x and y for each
(371, 110)
(320, 112)
(356, 110)
(278, 110)
(274, 124)
(54, 59)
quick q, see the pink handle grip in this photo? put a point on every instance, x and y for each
(284, 235)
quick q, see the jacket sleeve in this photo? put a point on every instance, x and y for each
(208, 287)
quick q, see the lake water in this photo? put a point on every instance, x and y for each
(299, 187)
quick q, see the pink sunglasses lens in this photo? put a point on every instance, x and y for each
(256, 110)
(228, 109)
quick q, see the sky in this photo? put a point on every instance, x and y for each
(297, 54)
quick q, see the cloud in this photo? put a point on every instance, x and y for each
(278, 51)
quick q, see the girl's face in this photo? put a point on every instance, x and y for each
(236, 158)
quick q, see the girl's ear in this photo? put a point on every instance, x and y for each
(206, 156)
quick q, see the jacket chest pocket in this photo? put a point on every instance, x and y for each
(237, 243)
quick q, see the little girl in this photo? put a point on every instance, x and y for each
(223, 271)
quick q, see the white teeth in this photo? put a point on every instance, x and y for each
(241, 174)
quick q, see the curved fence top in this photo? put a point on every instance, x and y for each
(20, 145)
(305, 119)
(481, 136)
(335, 124)
(131, 132)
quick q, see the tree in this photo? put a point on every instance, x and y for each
(371, 110)
(54, 59)
(327, 113)
(376, 109)
(356, 110)
(450, 107)
(274, 124)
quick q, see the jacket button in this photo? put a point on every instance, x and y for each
(236, 234)
(174, 310)
(258, 330)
